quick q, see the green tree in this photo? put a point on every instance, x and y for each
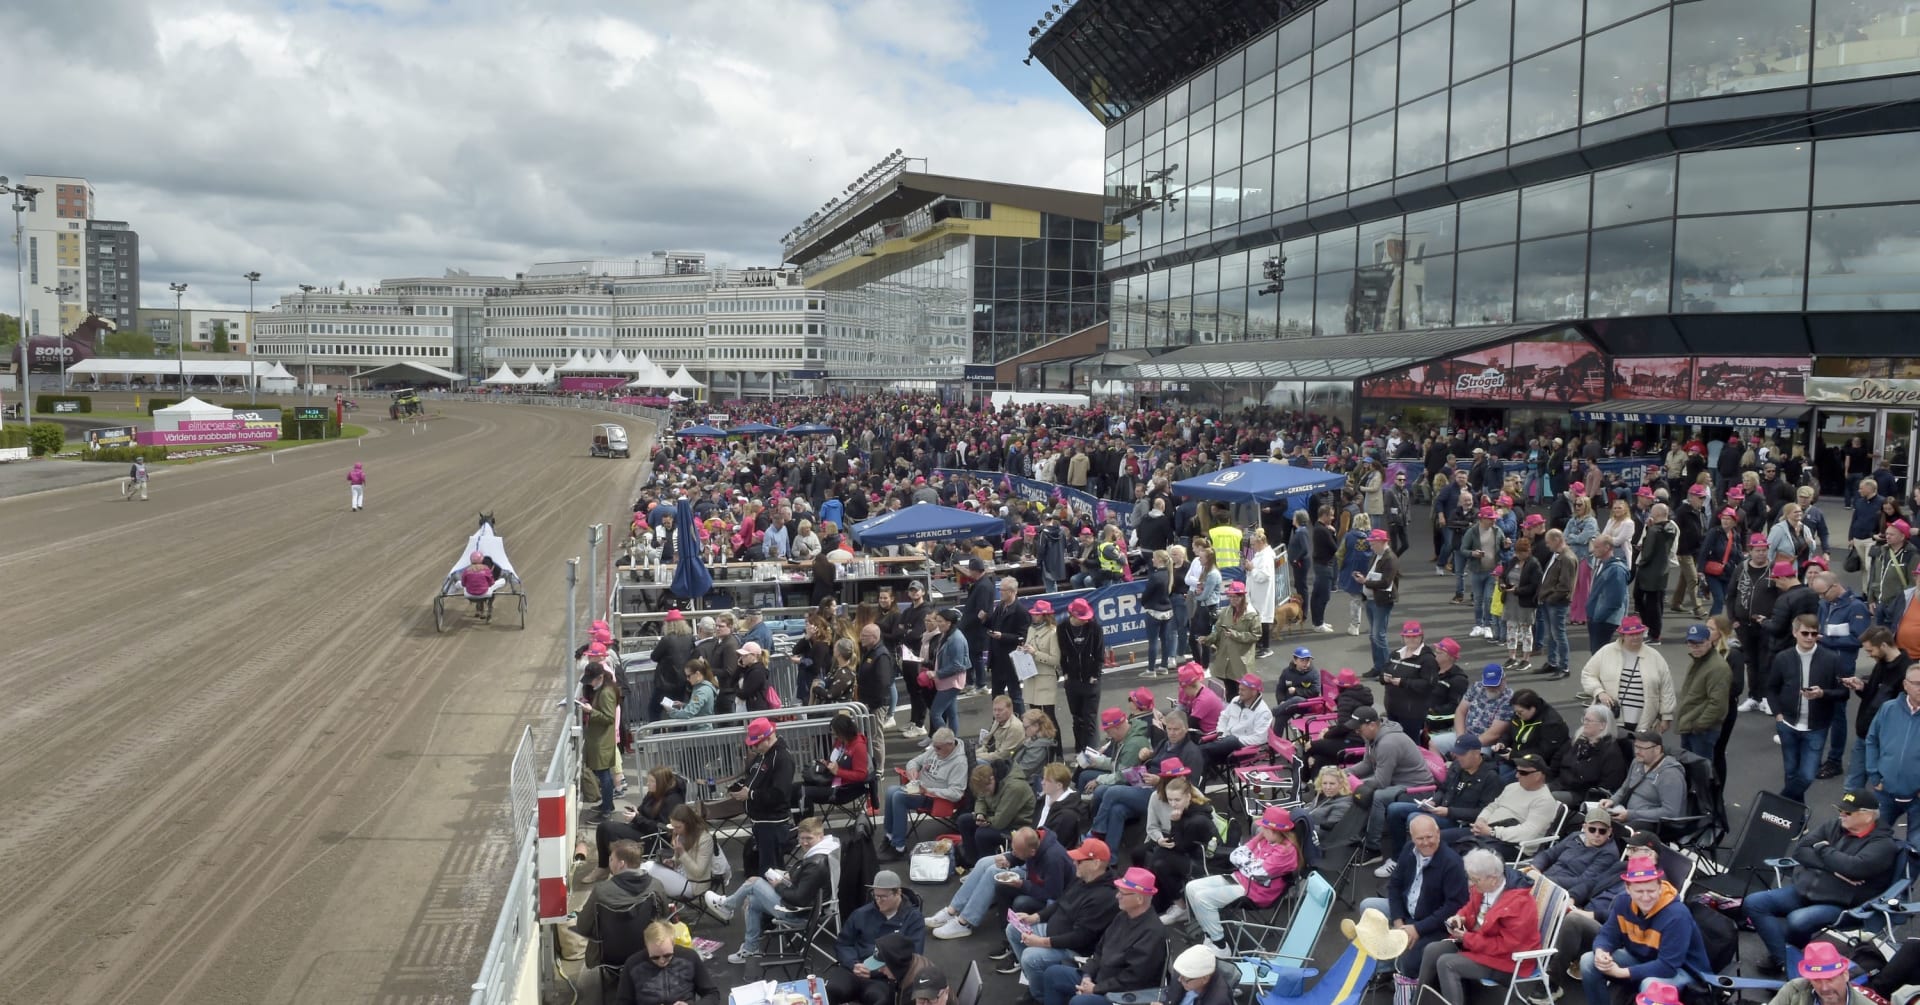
(130, 343)
(9, 329)
(220, 342)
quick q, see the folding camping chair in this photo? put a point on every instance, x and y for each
(1340, 853)
(1297, 938)
(1550, 903)
(1773, 825)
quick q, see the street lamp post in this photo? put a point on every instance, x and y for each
(179, 333)
(306, 348)
(24, 198)
(60, 295)
(253, 372)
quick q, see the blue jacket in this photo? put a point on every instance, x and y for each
(953, 657)
(865, 926)
(1591, 876)
(1443, 889)
(1865, 523)
(1893, 749)
(1607, 597)
(1048, 871)
(1851, 612)
(1667, 939)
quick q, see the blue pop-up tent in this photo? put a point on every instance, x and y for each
(755, 429)
(701, 429)
(1259, 482)
(925, 522)
(811, 429)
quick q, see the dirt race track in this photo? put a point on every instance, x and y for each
(237, 763)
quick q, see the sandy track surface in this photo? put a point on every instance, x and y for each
(237, 762)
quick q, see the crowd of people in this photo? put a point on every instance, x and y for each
(1462, 786)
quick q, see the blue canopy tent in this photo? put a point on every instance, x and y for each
(925, 522)
(1259, 482)
(691, 580)
(756, 429)
(700, 429)
(811, 429)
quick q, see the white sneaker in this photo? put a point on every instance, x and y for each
(717, 904)
(1353, 629)
(1767, 709)
(941, 917)
(953, 929)
(1386, 868)
(1217, 949)
(888, 723)
(1023, 978)
(1749, 704)
(1174, 915)
(1776, 739)
(1477, 632)
(1327, 628)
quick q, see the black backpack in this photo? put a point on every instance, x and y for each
(1719, 933)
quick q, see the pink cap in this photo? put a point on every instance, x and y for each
(1112, 717)
(1632, 625)
(758, 730)
(1080, 609)
(1644, 493)
(1411, 628)
(675, 615)
(1506, 500)
(1377, 535)
(1190, 673)
(1137, 880)
(1901, 526)
(596, 650)
(1756, 540)
(1697, 490)
(1346, 677)
(1533, 520)
(1448, 646)
(1236, 589)
(1729, 514)
(475, 557)
(1252, 682)
(1736, 492)
(1578, 488)
(1784, 569)
(1140, 698)
(1041, 609)
(1489, 513)
(1277, 818)
(1173, 767)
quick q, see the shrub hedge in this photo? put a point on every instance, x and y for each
(126, 455)
(45, 402)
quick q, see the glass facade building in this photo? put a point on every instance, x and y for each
(1702, 175)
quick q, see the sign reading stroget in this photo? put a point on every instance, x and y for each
(1867, 391)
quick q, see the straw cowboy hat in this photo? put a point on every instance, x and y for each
(1374, 936)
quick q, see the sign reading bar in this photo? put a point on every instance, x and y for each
(1869, 391)
(1682, 419)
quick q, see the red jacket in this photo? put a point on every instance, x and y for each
(1512, 926)
(856, 758)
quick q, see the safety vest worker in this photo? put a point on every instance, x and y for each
(1111, 561)
(1226, 546)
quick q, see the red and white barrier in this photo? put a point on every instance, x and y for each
(553, 854)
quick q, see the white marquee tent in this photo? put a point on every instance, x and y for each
(190, 410)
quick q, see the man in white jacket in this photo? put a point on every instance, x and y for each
(1244, 722)
(1632, 678)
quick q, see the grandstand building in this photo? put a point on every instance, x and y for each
(1419, 187)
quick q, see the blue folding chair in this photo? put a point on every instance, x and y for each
(1246, 938)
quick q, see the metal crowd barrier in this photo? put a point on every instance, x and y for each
(658, 416)
(637, 676)
(712, 750)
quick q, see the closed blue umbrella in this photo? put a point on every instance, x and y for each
(691, 580)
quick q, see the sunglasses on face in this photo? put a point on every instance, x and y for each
(1525, 771)
(660, 957)
(1808, 635)
(1599, 829)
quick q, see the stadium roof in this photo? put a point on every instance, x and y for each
(409, 370)
(910, 190)
(1116, 55)
(163, 367)
(1342, 357)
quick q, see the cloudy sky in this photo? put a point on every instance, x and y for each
(349, 141)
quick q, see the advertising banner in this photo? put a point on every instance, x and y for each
(1683, 419)
(1872, 392)
(188, 437)
(1663, 378)
(112, 436)
(594, 384)
(44, 352)
(1046, 494)
(256, 415)
(1566, 373)
(1780, 381)
(1116, 608)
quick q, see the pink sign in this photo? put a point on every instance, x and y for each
(592, 383)
(185, 437)
(223, 425)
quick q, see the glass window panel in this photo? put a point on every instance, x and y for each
(1489, 220)
(1257, 130)
(1553, 279)
(1177, 104)
(1295, 310)
(1367, 10)
(1226, 198)
(1336, 250)
(1427, 291)
(1601, 13)
(1302, 255)
(1430, 232)
(1198, 202)
(1479, 116)
(1199, 163)
(1423, 134)
(1229, 102)
(1331, 93)
(1296, 39)
(1327, 172)
(1420, 71)
(1484, 286)
(1480, 36)
(1231, 73)
(1333, 52)
(1381, 269)
(1262, 55)
(1174, 162)
(1634, 192)
(1226, 144)
(1539, 25)
(1135, 127)
(1626, 68)
(1724, 181)
(1206, 275)
(1375, 32)
(1233, 270)
(1333, 303)
(1735, 46)
(1200, 90)
(1375, 78)
(1739, 263)
(1290, 177)
(1290, 116)
(1292, 73)
(1260, 315)
(1863, 38)
(1554, 208)
(1259, 90)
(1546, 94)
(1415, 12)
(1865, 259)
(1331, 20)
(1157, 116)
(1854, 170)
(1371, 161)
(1630, 270)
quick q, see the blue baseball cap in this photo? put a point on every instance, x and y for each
(1699, 633)
(1303, 653)
(1493, 675)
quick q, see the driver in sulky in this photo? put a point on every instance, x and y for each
(477, 579)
